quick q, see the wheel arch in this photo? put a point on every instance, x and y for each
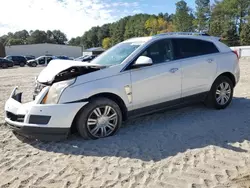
(230, 76)
(118, 100)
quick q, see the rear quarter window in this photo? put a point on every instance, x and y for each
(185, 48)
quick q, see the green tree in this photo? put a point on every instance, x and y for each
(14, 41)
(50, 37)
(202, 14)
(106, 43)
(59, 37)
(245, 35)
(217, 21)
(135, 26)
(102, 32)
(75, 41)
(118, 29)
(4, 39)
(183, 19)
(21, 35)
(230, 36)
(152, 25)
(37, 36)
(237, 11)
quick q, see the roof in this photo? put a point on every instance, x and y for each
(191, 35)
(95, 49)
(184, 33)
(138, 39)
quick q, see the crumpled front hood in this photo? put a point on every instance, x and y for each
(55, 67)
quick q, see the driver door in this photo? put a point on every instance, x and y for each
(159, 85)
(41, 61)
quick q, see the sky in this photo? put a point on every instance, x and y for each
(74, 17)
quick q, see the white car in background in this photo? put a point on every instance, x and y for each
(42, 61)
(135, 77)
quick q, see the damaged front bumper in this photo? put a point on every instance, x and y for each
(41, 121)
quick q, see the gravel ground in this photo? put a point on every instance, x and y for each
(189, 147)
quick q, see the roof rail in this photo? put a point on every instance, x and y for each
(184, 33)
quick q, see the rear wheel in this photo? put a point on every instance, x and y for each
(22, 64)
(100, 118)
(221, 93)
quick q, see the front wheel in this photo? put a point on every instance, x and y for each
(100, 118)
(4, 65)
(221, 93)
(34, 64)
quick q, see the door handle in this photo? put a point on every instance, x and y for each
(210, 60)
(173, 70)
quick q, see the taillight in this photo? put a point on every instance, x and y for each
(236, 53)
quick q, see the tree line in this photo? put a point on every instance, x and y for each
(33, 37)
(229, 19)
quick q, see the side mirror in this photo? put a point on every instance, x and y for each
(143, 61)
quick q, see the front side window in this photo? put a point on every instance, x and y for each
(9, 57)
(193, 47)
(117, 54)
(41, 60)
(160, 51)
(49, 59)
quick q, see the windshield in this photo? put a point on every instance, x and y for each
(117, 54)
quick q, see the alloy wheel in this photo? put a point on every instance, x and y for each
(223, 93)
(102, 121)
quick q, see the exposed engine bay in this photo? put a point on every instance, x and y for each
(71, 72)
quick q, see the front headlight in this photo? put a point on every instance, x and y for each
(56, 90)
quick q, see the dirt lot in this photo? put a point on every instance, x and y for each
(190, 147)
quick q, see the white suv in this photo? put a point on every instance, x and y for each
(135, 77)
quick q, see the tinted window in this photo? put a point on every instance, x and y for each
(185, 48)
(9, 58)
(14, 58)
(160, 51)
(21, 58)
(41, 60)
(49, 59)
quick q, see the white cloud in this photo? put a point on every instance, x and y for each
(73, 17)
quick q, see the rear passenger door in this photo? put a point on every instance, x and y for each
(15, 60)
(198, 64)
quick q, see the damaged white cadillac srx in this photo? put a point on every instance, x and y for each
(133, 78)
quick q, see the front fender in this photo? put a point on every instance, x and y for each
(114, 85)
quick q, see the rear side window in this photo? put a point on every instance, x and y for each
(185, 48)
(14, 58)
(20, 58)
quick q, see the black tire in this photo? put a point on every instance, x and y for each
(87, 111)
(33, 64)
(4, 65)
(22, 64)
(211, 98)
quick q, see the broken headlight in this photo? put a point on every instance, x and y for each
(56, 90)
